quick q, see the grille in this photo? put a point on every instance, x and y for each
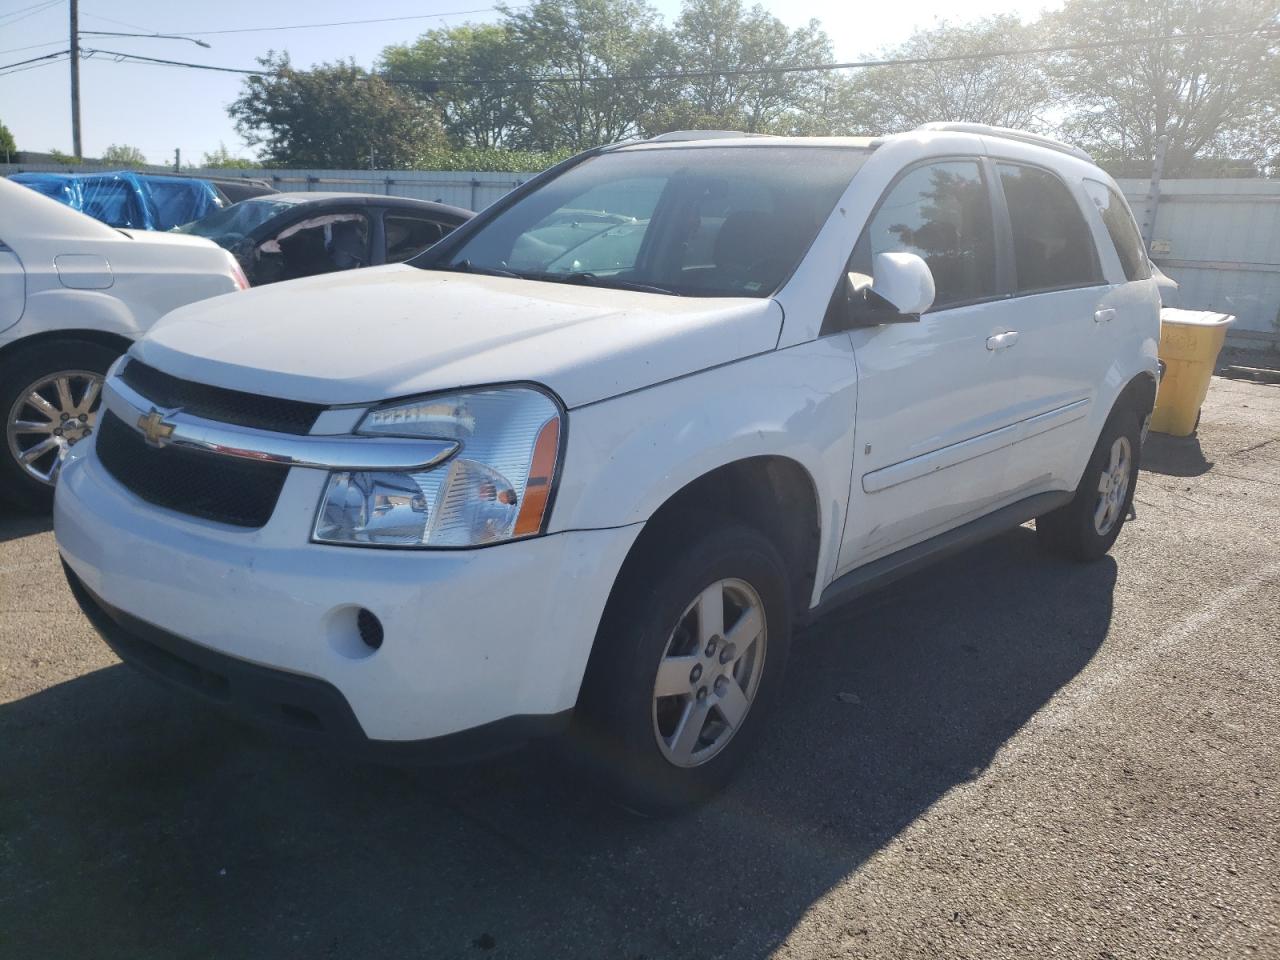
(218, 403)
(239, 492)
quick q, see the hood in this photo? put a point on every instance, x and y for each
(394, 331)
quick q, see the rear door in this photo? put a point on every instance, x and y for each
(938, 398)
(1063, 346)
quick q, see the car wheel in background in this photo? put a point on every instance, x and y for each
(49, 395)
(1086, 527)
(688, 660)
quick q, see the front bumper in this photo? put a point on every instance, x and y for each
(471, 637)
(303, 709)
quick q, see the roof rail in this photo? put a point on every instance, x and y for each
(1008, 133)
(675, 135)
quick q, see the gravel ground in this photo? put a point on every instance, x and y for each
(1005, 756)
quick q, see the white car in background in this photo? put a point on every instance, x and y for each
(74, 294)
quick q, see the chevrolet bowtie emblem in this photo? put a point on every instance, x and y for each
(154, 428)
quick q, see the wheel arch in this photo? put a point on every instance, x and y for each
(774, 493)
(113, 341)
(1138, 395)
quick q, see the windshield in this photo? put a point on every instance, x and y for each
(703, 221)
(228, 226)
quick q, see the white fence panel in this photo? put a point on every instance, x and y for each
(1220, 239)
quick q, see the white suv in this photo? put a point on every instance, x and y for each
(588, 462)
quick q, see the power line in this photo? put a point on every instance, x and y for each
(45, 56)
(36, 66)
(743, 71)
(43, 3)
(34, 46)
(120, 23)
(337, 23)
(10, 18)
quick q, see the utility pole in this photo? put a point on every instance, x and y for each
(75, 79)
(177, 159)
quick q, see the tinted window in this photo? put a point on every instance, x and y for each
(1052, 245)
(409, 236)
(942, 213)
(1124, 232)
(699, 221)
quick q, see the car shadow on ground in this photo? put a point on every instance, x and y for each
(133, 823)
(15, 524)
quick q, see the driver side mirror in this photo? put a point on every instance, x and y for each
(900, 291)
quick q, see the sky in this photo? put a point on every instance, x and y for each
(158, 108)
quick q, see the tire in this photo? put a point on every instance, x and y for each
(659, 754)
(1085, 528)
(37, 370)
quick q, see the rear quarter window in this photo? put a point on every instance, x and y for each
(1123, 231)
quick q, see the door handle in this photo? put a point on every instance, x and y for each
(1002, 341)
(1104, 316)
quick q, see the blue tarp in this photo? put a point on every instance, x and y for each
(141, 201)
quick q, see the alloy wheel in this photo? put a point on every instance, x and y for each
(1113, 487)
(51, 416)
(709, 675)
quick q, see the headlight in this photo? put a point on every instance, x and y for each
(497, 487)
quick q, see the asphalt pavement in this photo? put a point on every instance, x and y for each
(1007, 755)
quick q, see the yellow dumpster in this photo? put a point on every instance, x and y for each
(1189, 345)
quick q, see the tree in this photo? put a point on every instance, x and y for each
(721, 35)
(123, 155)
(1005, 91)
(567, 43)
(437, 65)
(333, 115)
(66, 159)
(7, 146)
(223, 158)
(1210, 97)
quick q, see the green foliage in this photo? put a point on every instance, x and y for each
(489, 159)
(7, 145)
(123, 155)
(334, 115)
(222, 158)
(1005, 91)
(57, 156)
(558, 76)
(713, 35)
(1211, 98)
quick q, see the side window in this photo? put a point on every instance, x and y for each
(321, 244)
(1124, 232)
(1052, 245)
(942, 213)
(409, 236)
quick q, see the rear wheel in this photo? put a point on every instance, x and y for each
(687, 663)
(49, 393)
(1086, 527)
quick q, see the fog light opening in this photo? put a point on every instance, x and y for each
(370, 628)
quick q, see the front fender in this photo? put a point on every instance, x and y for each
(627, 456)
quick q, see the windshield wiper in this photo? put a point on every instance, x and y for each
(466, 266)
(593, 280)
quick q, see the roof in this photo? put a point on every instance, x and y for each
(369, 199)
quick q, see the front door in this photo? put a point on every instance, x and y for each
(938, 399)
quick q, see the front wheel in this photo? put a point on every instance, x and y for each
(1086, 528)
(688, 660)
(49, 394)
